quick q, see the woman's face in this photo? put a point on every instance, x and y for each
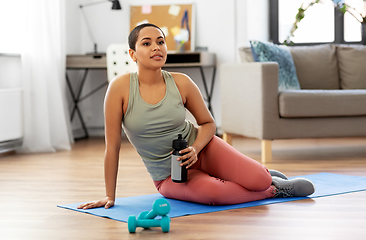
(151, 50)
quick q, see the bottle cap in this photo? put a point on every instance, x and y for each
(180, 143)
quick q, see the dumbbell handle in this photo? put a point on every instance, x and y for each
(148, 223)
(151, 215)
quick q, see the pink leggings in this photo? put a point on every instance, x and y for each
(222, 175)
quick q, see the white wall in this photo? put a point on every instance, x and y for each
(252, 22)
(222, 26)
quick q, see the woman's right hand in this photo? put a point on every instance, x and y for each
(106, 203)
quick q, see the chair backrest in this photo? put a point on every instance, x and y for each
(119, 61)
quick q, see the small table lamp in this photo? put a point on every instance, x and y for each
(115, 6)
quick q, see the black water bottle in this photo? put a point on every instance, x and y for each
(179, 174)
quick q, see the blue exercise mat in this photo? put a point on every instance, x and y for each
(326, 184)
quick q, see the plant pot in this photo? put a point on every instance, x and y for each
(363, 33)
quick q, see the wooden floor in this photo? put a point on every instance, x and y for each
(32, 185)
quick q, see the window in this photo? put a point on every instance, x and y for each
(352, 27)
(322, 22)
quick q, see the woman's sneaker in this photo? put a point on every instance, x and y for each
(298, 187)
(277, 174)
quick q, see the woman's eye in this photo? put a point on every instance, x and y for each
(161, 42)
(146, 44)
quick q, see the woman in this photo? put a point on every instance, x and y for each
(151, 104)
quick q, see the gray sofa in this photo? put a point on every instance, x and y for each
(331, 102)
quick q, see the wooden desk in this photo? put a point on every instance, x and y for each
(88, 62)
(83, 63)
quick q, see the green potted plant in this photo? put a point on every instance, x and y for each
(338, 4)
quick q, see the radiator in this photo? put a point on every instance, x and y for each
(11, 125)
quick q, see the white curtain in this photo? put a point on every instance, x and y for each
(46, 119)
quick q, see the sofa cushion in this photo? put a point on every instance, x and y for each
(246, 54)
(352, 66)
(322, 103)
(316, 66)
(269, 52)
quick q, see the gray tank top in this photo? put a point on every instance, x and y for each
(151, 128)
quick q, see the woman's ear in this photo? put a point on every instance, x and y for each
(132, 55)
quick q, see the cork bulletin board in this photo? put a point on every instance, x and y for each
(177, 21)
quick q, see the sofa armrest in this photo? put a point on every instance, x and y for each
(249, 99)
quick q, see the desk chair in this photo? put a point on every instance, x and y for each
(119, 61)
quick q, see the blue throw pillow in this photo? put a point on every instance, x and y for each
(269, 52)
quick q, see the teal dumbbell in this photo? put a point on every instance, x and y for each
(146, 219)
(160, 207)
(133, 223)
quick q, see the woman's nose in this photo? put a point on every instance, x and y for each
(156, 47)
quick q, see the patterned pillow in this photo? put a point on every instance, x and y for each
(269, 52)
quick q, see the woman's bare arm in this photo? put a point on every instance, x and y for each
(193, 101)
(113, 112)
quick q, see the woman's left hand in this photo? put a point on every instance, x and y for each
(189, 158)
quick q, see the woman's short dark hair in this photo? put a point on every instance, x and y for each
(134, 34)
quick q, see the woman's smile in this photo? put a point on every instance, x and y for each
(157, 56)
